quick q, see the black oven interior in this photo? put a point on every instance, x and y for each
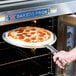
(16, 61)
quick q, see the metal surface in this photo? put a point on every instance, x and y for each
(19, 4)
(70, 19)
(63, 6)
(26, 10)
(9, 1)
(68, 27)
(52, 49)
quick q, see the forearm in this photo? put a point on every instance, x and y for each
(73, 51)
(72, 54)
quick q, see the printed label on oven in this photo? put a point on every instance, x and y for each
(53, 10)
(2, 18)
(28, 14)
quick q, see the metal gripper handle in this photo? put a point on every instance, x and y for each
(54, 51)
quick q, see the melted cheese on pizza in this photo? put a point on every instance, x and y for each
(30, 34)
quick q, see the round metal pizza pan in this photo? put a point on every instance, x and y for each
(25, 46)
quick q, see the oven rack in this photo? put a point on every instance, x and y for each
(21, 60)
(26, 59)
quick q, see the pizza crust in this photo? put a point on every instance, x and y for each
(26, 44)
(22, 43)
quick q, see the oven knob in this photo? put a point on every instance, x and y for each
(69, 35)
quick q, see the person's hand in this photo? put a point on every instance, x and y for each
(65, 57)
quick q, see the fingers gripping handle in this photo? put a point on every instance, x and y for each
(61, 63)
(54, 51)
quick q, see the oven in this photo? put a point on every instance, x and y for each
(23, 61)
(17, 61)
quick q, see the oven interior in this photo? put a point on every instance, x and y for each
(16, 61)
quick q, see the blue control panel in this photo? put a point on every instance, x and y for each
(27, 14)
(70, 37)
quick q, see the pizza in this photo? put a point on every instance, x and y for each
(30, 36)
